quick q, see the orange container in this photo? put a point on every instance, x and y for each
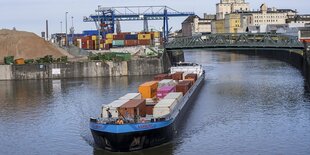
(148, 89)
(20, 61)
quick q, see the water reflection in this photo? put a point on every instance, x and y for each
(248, 105)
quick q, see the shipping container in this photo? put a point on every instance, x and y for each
(160, 77)
(107, 46)
(157, 34)
(133, 108)
(131, 42)
(144, 36)
(148, 89)
(109, 41)
(149, 109)
(192, 81)
(165, 90)
(164, 107)
(131, 37)
(166, 82)
(112, 108)
(177, 76)
(191, 76)
(118, 43)
(131, 96)
(20, 61)
(144, 42)
(119, 37)
(93, 37)
(109, 36)
(174, 95)
(8, 60)
(183, 87)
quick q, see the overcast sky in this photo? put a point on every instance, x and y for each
(30, 15)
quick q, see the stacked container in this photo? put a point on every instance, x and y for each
(144, 39)
(160, 77)
(166, 82)
(175, 95)
(183, 87)
(164, 107)
(165, 90)
(113, 108)
(191, 76)
(132, 108)
(148, 89)
(177, 76)
(129, 96)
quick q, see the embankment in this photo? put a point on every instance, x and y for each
(141, 66)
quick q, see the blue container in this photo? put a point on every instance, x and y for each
(90, 32)
(131, 37)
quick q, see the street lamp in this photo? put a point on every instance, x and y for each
(60, 26)
(66, 30)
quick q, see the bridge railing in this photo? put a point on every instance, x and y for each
(235, 40)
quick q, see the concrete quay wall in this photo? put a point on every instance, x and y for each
(143, 66)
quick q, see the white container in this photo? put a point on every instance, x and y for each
(112, 108)
(131, 96)
(166, 82)
(164, 107)
(150, 101)
(174, 95)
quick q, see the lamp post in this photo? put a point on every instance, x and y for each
(66, 30)
(60, 26)
(72, 31)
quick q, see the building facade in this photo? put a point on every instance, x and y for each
(229, 6)
(194, 25)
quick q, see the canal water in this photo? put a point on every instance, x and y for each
(248, 105)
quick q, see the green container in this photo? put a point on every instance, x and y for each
(124, 56)
(29, 61)
(117, 43)
(9, 60)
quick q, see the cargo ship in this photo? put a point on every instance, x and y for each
(151, 116)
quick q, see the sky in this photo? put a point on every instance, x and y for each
(30, 15)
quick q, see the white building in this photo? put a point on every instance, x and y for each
(194, 25)
(229, 6)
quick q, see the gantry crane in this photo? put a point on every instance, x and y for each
(107, 16)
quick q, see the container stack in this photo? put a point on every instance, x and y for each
(130, 96)
(183, 86)
(164, 107)
(89, 41)
(148, 89)
(160, 77)
(112, 108)
(165, 90)
(131, 40)
(166, 82)
(144, 38)
(177, 76)
(133, 108)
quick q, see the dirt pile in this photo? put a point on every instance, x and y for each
(26, 45)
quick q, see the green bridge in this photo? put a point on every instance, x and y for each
(236, 41)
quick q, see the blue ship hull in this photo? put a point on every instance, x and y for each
(132, 137)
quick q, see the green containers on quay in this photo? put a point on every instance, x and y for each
(8, 60)
(110, 56)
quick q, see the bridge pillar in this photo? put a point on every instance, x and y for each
(175, 56)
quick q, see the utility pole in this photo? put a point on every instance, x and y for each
(66, 30)
(60, 26)
(72, 30)
(47, 30)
